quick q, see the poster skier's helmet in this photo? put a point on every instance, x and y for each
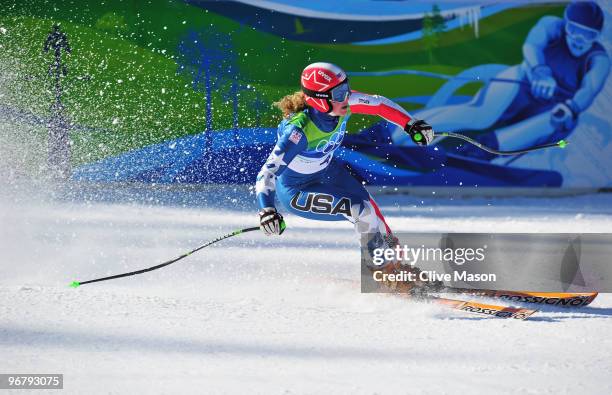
(323, 83)
(583, 24)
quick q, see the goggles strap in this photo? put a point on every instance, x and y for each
(315, 94)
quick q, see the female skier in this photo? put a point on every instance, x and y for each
(302, 170)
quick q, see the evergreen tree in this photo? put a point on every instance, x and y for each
(433, 27)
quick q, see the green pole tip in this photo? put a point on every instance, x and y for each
(562, 143)
(283, 225)
(75, 284)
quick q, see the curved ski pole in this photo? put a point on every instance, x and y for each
(76, 284)
(560, 144)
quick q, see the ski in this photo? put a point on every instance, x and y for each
(467, 306)
(491, 310)
(565, 299)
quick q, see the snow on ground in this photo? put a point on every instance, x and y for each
(270, 315)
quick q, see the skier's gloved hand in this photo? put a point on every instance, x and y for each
(419, 131)
(543, 83)
(271, 222)
(564, 115)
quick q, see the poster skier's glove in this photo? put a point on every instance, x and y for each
(419, 131)
(271, 222)
(543, 83)
(564, 115)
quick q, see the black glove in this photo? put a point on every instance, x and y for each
(419, 131)
(271, 222)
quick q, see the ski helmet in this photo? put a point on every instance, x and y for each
(583, 24)
(585, 13)
(323, 83)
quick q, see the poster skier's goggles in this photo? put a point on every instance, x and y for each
(338, 94)
(577, 31)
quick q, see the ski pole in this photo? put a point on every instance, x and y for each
(560, 143)
(76, 284)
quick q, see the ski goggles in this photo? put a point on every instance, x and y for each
(576, 31)
(340, 93)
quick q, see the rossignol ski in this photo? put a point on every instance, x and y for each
(565, 299)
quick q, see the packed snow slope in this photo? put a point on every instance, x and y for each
(269, 315)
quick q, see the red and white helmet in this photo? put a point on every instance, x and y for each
(322, 83)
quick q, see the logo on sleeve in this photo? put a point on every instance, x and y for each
(295, 137)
